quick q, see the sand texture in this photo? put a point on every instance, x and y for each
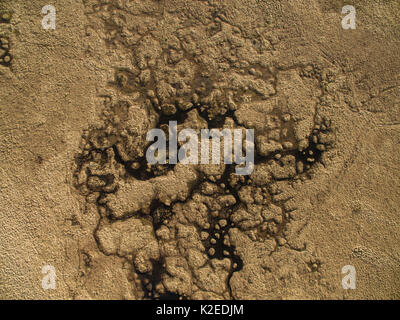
(77, 193)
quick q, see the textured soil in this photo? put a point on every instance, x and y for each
(77, 192)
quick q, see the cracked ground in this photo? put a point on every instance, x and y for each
(324, 106)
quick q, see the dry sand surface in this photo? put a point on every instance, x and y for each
(76, 192)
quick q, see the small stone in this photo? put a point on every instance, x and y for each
(204, 235)
(286, 117)
(195, 98)
(168, 109)
(211, 252)
(281, 241)
(92, 198)
(226, 241)
(300, 167)
(223, 223)
(151, 94)
(135, 165)
(287, 145)
(6, 16)
(185, 106)
(252, 71)
(320, 147)
(155, 102)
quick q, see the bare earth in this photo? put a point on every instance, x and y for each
(76, 192)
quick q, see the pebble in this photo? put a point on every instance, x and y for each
(300, 167)
(226, 241)
(168, 109)
(223, 223)
(151, 94)
(135, 165)
(6, 16)
(281, 241)
(204, 235)
(287, 145)
(185, 106)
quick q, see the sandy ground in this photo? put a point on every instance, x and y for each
(76, 104)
